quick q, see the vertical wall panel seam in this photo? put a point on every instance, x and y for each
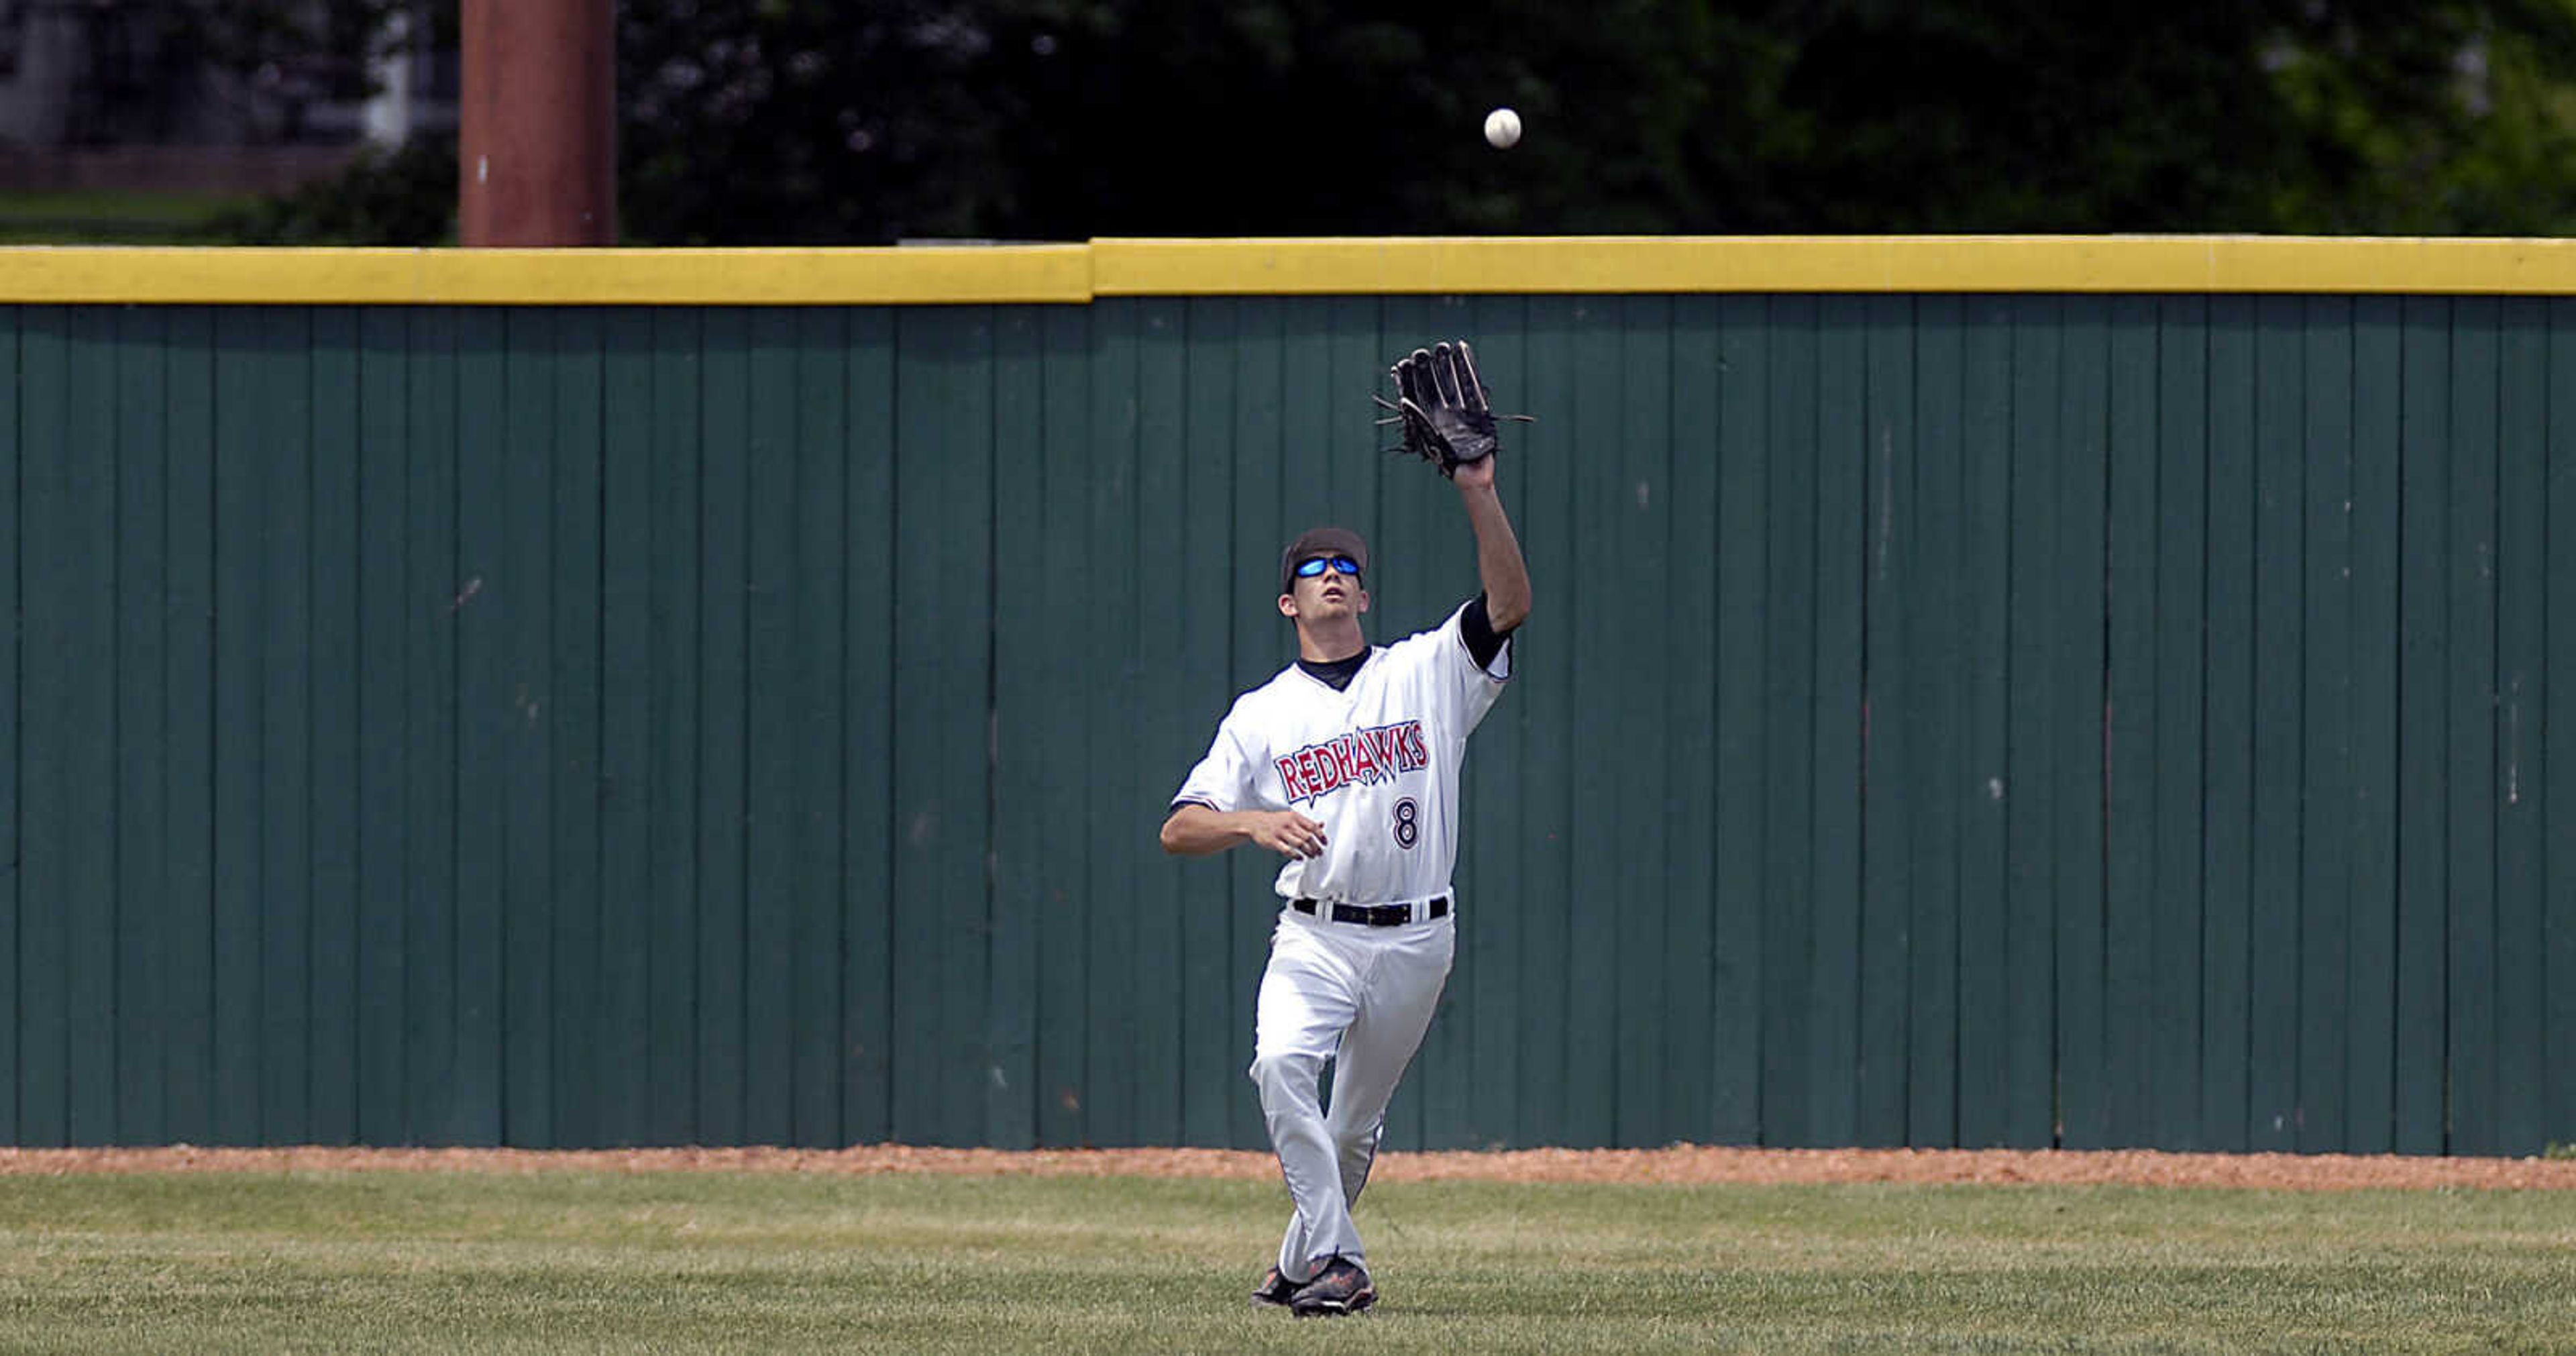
(257, 725)
(2400, 849)
(2354, 661)
(2397, 852)
(162, 735)
(2003, 584)
(457, 739)
(1681, 1123)
(837, 1075)
(1704, 1116)
(744, 853)
(1967, 593)
(1917, 672)
(2106, 1130)
(503, 644)
(1955, 709)
(348, 906)
(2295, 496)
(1948, 973)
(2100, 714)
(2300, 995)
(2442, 963)
(2199, 1080)
(603, 1130)
(1857, 1013)
(752, 694)
(992, 696)
(359, 568)
(2393, 673)
(405, 580)
(538, 662)
(114, 903)
(18, 697)
(1821, 715)
(1237, 916)
(2540, 740)
(832, 1129)
(2250, 483)
(2395, 513)
(2052, 850)
(1714, 447)
(893, 586)
(2449, 901)
(2200, 773)
(2491, 695)
(2539, 707)
(313, 903)
(1668, 1127)
(694, 800)
(2440, 696)
(199, 914)
(304, 982)
(1181, 326)
(214, 666)
(842, 1132)
(2539, 745)
(2493, 590)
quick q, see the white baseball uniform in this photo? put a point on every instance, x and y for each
(1364, 942)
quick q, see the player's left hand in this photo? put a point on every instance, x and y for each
(1442, 405)
(1475, 474)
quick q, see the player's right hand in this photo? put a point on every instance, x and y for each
(1289, 834)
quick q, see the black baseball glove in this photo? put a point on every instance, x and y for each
(1441, 403)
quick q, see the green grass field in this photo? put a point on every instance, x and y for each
(110, 217)
(578, 1261)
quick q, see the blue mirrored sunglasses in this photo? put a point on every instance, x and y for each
(1340, 564)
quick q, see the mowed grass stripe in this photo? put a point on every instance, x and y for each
(771, 1262)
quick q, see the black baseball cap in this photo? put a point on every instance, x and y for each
(1320, 541)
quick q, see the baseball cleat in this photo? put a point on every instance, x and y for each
(1275, 1289)
(1342, 1287)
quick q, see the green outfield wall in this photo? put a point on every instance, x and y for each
(1982, 691)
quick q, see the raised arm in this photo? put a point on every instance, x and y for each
(1448, 422)
(1498, 551)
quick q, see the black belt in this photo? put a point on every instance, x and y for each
(1375, 915)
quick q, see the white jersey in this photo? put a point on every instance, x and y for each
(1376, 763)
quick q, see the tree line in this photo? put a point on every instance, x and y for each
(816, 122)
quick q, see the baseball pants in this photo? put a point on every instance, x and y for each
(1362, 996)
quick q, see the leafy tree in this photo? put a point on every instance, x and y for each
(2252, 115)
(402, 196)
(811, 121)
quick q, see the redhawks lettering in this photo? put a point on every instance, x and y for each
(1360, 758)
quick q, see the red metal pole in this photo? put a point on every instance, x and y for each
(537, 123)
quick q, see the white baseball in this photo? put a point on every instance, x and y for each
(1502, 128)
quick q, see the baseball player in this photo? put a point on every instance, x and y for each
(1346, 764)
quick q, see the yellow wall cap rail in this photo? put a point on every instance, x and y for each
(571, 277)
(1600, 264)
(1452, 265)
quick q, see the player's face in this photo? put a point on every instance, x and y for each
(1330, 592)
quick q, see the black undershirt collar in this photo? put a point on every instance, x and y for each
(1334, 673)
(1483, 641)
